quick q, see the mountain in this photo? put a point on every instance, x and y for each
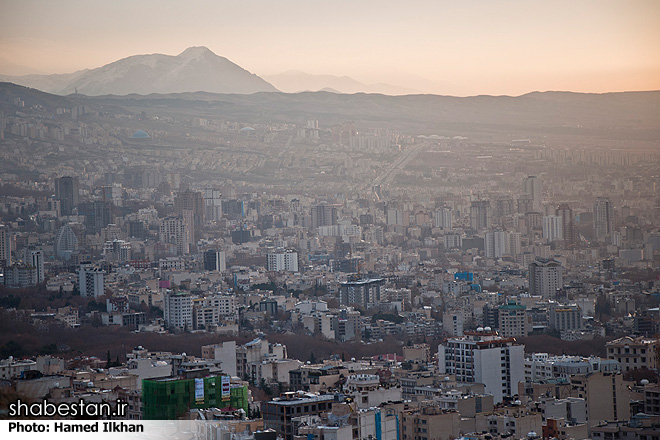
(294, 81)
(195, 69)
(625, 115)
(31, 98)
(47, 83)
(622, 116)
(9, 68)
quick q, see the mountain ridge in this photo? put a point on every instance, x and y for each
(195, 69)
(616, 115)
(296, 81)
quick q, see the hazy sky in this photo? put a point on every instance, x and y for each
(460, 47)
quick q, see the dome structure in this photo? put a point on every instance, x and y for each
(140, 134)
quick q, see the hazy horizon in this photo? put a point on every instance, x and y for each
(451, 48)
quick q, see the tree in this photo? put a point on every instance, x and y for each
(48, 349)
(11, 348)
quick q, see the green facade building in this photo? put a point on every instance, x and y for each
(171, 398)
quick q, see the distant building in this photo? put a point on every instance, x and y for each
(545, 277)
(191, 203)
(452, 241)
(67, 192)
(323, 214)
(66, 242)
(480, 215)
(532, 188)
(224, 352)
(603, 216)
(634, 353)
(453, 322)
(215, 261)
(443, 218)
(484, 357)
(35, 258)
(213, 310)
(432, 422)
(607, 395)
(174, 230)
(541, 367)
(553, 228)
(172, 398)
(496, 244)
(118, 251)
(278, 413)
(98, 215)
(283, 262)
(365, 293)
(240, 236)
(5, 246)
(178, 311)
(91, 281)
(514, 321)
(568, 225)
(564, 317)
(212, 204)
(20, 275)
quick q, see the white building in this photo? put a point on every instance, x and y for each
(175, 230)
(66, 242)
(214, 310)
(514, 243)
(496, 244)
(225, 353)
(367, 391)
(453, 322)
(117, 251)
(443, 218)
(178, 310)
(545, 277)
(212, 204)
(35, 258)
(553, 228)
(283, 262)
(484, 357)
(12, 368)
(541, 366)
(91, 281)
(453, 241)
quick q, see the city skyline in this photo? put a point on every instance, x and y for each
(451, 48)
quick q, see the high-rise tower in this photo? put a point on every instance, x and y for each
(531, 186)
(568, 225)
(480, 215)
(603, 218)
(66, 191)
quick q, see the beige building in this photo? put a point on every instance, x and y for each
(514, 320)
(634, 353)
(517, 421)
(607, 396)
(417, 352)
(430, 422)
(561, 430)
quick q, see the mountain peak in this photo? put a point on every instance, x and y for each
(196, 52)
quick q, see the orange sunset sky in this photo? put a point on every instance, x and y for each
(461, 47)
